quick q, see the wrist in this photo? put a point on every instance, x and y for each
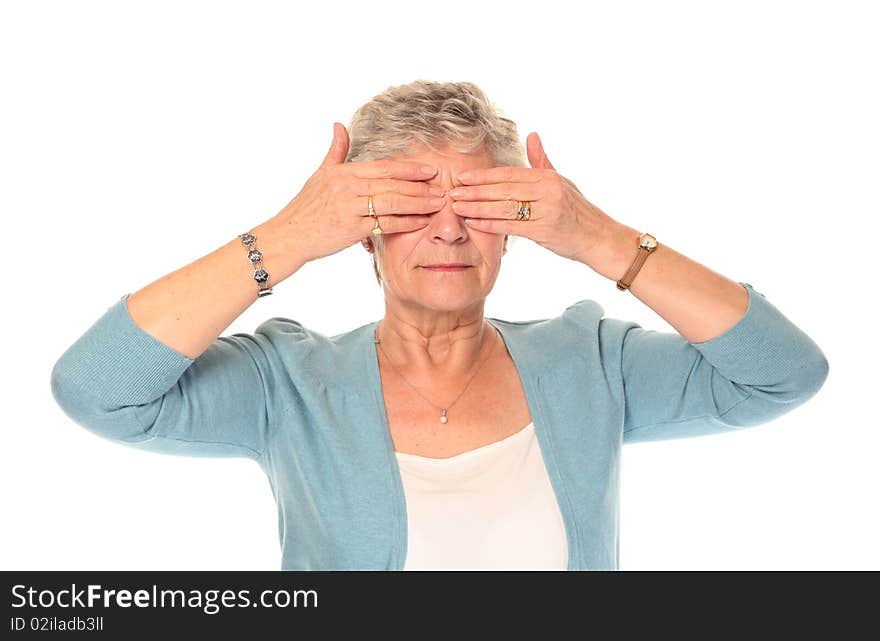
(616, 252)
(281, 256)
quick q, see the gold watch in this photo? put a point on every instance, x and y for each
(647, 244)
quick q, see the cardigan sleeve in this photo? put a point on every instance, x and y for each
(757, 370)
(119, 382)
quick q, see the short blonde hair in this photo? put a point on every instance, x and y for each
(433, 115)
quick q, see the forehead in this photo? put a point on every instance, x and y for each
(449, 162)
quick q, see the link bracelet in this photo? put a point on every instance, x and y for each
(255, 256)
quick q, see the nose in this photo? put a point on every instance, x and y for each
(445, 224)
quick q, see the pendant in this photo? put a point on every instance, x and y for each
(443, 418)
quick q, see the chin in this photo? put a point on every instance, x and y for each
(448, 300)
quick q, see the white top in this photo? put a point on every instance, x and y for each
(492, 508)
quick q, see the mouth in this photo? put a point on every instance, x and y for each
(447, 266)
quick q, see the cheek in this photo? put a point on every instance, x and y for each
(491, 246)
(396, 253)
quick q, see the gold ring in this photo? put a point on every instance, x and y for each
(377, 231)
(525, 210)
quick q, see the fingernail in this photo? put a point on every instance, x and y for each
(437, 202)
(456, 193)
(435, 191)
(428, 170)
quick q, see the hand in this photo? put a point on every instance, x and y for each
(330, 212)
(561, 219)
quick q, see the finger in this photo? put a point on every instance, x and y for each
(396, 224)
(374, 186)
(338, 146)
(393, 203)
(496, 226)
(403, 169)
(498, 191)
(499, 209)
(537, 155)
(498, 175)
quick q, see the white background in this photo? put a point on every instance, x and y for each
(140, 136)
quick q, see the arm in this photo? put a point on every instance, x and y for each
(698, 302)
(737, 361)
(153, 373)
(188, 308)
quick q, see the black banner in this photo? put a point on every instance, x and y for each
(123, 603)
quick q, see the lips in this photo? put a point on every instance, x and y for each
(447, 265)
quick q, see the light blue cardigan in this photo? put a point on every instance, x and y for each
(309, 409)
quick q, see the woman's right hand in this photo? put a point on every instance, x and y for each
(330, 212)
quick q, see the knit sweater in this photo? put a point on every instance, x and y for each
(309, 409)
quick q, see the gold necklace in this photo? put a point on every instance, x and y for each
(443, 417)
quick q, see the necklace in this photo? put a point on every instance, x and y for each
(443, 417)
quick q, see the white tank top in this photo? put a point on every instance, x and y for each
(492, 508)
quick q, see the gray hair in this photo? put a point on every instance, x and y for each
(432, 115)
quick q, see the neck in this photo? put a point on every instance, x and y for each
(440, 345)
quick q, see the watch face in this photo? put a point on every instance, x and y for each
(647, 240)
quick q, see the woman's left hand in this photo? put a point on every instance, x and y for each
(561, 219)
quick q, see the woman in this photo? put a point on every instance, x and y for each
(436, 437)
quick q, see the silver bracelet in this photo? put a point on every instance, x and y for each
(255, 256)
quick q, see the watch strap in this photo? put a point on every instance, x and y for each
(627, 279)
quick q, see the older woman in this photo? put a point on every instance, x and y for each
(436, 437)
